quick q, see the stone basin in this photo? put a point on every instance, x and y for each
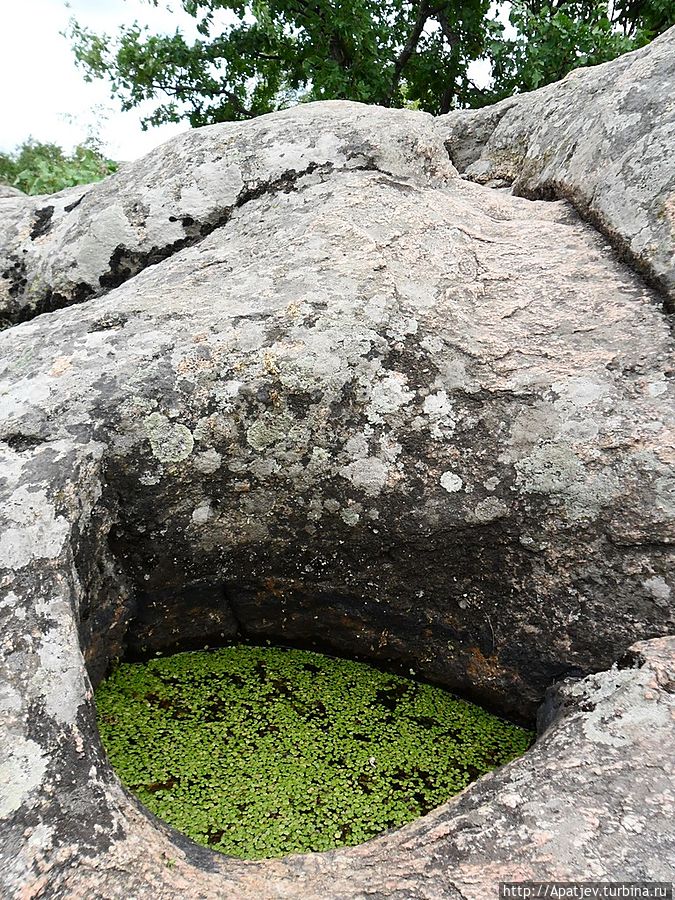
(325, 391)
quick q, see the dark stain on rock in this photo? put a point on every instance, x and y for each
(72, 206)
(111, 320)
(22, 442)
(42, 223)
(125, 263)
(17, 276)
(411, 358)
(54, 300)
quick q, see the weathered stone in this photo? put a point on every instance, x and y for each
(87, 240)
(592, 800)
(7, 190)
(377, 407)
(378, 392)
(602, 138)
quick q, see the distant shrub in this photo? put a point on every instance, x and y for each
(37, 168)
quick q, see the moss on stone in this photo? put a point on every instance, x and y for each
(259, 752)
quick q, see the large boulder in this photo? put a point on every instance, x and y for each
(80, 243)
(361, 402)
(602, 138)
(437, 415)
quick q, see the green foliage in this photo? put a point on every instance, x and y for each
(37, 168)
(273, 54)
(260, 752)
(557, 36)
(254, 57)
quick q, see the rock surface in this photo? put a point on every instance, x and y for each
(84, 241)
(341, 402)
(7, 190)
(602, 138)
(591, 801)
(358, 401)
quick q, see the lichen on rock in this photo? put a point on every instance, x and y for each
(171, 442)
(320, 389)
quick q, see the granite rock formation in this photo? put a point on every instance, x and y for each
(602, 138)
(321, 389)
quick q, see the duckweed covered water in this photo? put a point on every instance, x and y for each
(259, 752)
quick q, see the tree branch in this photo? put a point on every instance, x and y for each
(179, 94)
(408, 49)
(451, 36)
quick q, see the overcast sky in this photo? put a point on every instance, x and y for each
(44, 95)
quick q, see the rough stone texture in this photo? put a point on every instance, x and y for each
(84, 241)
(593, 800)
(377, 407)
(438, 414)
(602, 138)
(7, 190)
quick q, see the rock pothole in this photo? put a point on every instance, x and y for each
(263, 751)
(398, 415)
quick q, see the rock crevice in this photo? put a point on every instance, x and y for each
(68, 251)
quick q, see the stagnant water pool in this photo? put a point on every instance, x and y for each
(262, 751)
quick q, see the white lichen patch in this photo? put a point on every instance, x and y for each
(440, 413)
(202, 513)
(549, 469)
(207, 462)
(656, 388)
(451, 482)
(556, 469)
(578, 392)
(149, 478)
(319, 460)
(636, 717)
(171, 443)
(350, 516)
(400, 327)
(357, 446)
(658, 588)
(35, 531)
(388, 396)
(22, 770)
(17, 398)
(60, 678)
(263, 467)
(226, 393)
(368, 474)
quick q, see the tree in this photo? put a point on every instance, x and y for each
(271, 54)
(555, 36)
(37, 168)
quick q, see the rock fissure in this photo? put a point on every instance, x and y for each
(126, 263)
(551, 192)
(139, 218)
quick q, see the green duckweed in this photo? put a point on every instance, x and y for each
(262, 751)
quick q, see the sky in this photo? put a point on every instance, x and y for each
(43, 94)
